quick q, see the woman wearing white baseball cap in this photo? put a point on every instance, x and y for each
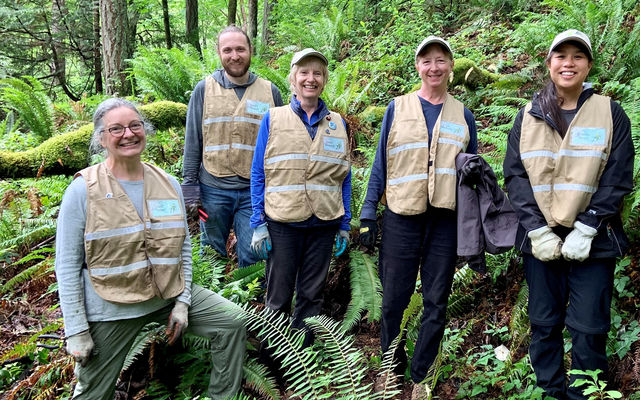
(301, 192)
(568, 166)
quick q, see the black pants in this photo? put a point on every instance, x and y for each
(424, 243)
(587, 288)
(299, 260)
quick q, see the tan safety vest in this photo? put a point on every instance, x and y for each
(230, 126)
(303, 177)
(131, 260)
(564, 173)
(415, 171)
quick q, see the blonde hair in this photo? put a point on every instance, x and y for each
(304, 62)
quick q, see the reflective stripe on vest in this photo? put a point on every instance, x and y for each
(304, 177)
(230, 126)
(564, 173)
(132, 260)
(411, 181)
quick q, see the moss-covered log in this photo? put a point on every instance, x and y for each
(467, 73)
(68, 153)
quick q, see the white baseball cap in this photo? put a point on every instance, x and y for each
(430, 40)
(571, 35)
(308, 52)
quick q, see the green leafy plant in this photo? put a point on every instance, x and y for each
(27, 98)
(593, 387)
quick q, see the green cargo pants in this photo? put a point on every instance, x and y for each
(208, 317)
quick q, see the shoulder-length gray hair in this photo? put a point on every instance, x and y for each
(95, 146)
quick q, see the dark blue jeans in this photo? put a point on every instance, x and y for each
(575, 294)
(226, 208)
(425, 244)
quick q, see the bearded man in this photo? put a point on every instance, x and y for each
(223, 118)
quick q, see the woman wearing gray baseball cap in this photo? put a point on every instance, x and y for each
(414, 168)
(301, 192)
(568, 166)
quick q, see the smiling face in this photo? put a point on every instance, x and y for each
(129, 145)
(235, 54)
(568, 67)
(309, 79)
(434, 66)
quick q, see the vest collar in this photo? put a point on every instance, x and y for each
(222, 79)
(536, 110)
(320, 112)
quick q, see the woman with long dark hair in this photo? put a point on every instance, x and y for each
(568, 166)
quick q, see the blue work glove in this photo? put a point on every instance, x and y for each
(261, 242)
(342, 239)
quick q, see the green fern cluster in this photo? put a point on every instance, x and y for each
(32, 105)
(170, 74)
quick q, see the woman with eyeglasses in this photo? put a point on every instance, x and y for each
(568, 166)
(123, 260)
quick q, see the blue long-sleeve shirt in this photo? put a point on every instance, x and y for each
(257, 169)
(378, 178)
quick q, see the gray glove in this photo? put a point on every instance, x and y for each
(178, 321)
(261, 241)
(577, 244)
(545, 245)
(80, 347)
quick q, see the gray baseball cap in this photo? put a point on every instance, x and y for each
(571, 35)
(308, 52)
(430, 40)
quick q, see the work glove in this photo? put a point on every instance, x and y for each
(545, 245)
(342, 240)
(178, 321)
(577, 244)
(80, 347)
(193, 206)
(261, 242)
(368, 229)
(470, 172)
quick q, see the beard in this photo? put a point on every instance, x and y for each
(236, 70)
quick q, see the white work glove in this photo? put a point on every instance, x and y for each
(178, 321)
(342, 240)
(80, 347)
(545, 245)
(577, 244)
(261, 242)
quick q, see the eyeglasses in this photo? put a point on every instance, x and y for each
(118, 130)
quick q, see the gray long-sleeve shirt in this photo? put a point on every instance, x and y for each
(193, 170)
(79, 301)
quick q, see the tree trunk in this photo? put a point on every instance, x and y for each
(57, 35)
(266, 12)
(115, 45)
(231, 16)
(252, 25)
(167, 26)
(192, 30)
(97, 59)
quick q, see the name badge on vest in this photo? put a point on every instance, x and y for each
(163, 208)
(333, 144)
(256, 107)
(451, 128)
(588, 136)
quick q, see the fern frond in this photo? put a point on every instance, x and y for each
(31, 273)
(299, 365)
(30, 102)
(149, 334)
(366, 290)
(347, 365)
(519, 322)
(257, 378)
